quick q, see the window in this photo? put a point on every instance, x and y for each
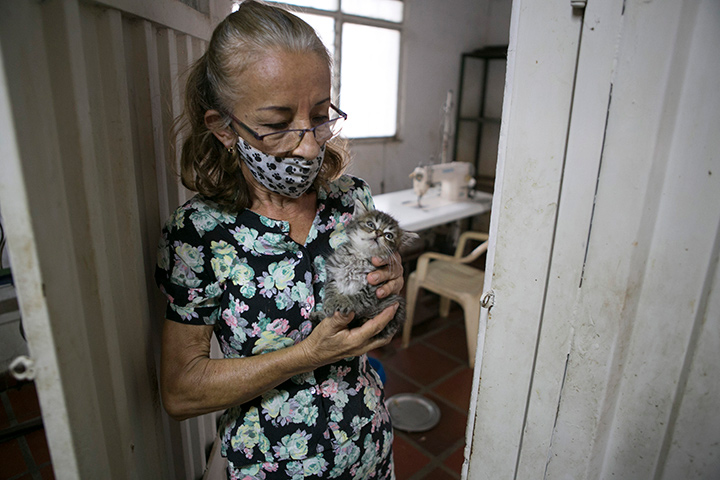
(363, 37)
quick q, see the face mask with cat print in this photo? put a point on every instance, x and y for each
(287, 176)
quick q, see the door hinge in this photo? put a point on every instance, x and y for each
(488, 299)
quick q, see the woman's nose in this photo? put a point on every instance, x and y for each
(309, 148)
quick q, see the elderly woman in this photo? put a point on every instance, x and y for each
(244, 258)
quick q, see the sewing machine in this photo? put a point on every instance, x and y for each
(455, 179)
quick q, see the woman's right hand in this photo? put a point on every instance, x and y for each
(331, 340)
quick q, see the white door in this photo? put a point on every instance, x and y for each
(601, 354)
(88, 90)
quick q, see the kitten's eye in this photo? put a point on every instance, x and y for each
(370, 224)
(389, 236)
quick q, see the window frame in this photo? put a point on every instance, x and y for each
(340, 19)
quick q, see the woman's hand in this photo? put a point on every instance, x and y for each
(331, 340)
(389, 275)
(193, 384)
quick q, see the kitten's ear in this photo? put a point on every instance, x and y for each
(360, 208)
(409, 237)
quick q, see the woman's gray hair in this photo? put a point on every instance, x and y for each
(249, 34)
(240, 40)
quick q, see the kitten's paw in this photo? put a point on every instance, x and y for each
(339, 304)
(344, 307)
(317, 317)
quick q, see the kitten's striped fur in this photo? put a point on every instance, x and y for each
(370, 233)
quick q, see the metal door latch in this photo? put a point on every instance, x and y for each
(23, 368)
(488, 299)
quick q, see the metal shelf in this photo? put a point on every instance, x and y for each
(485, 55)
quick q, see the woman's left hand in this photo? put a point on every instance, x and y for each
(389, 275)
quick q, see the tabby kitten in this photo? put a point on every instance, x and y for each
(370, 233)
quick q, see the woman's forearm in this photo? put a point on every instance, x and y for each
(193, 384)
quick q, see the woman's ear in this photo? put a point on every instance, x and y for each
(214, 123)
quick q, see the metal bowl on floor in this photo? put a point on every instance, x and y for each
(411, 412)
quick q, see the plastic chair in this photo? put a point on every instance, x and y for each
(452, 279)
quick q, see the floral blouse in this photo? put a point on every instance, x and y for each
(241, 273)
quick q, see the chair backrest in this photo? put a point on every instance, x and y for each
(477, 251)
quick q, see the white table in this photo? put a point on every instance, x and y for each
(434, 211)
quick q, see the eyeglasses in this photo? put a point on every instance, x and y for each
(289, 140)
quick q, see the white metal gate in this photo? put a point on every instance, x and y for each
(89, 89)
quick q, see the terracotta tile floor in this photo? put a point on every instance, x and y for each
(435, 366)
(24, 455)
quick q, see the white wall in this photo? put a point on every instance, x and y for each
(435, 35)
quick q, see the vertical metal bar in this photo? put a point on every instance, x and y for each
(481, 113)
(458, 104)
